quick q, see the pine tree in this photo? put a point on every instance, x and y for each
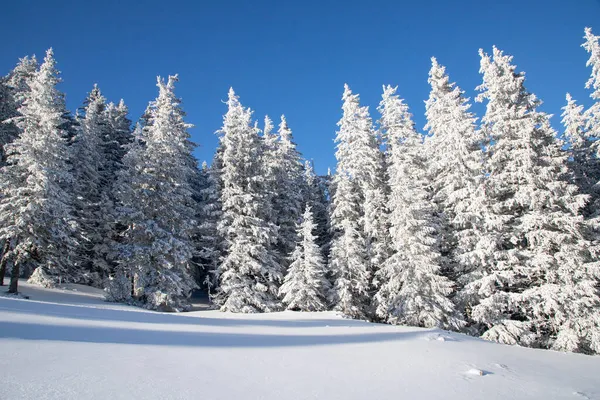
(13, 89)
(249, 275)
(209, 212)
(35, 210)
(305, 287)
(360, 155)
(413, 291)
(348, 254)
(289, 181)
(541, 287)
(160, 214)
(455, 166)
(582, 152)
(592, 115)
(89, 188)
(316, 197)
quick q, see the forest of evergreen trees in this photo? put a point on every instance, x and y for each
(488, 227)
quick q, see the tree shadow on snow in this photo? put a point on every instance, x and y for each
(84, 334)
(142, 316)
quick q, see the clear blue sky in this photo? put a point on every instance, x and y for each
(293, 57)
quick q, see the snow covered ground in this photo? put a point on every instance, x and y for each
(70, 344)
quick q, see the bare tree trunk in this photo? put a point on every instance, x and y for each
(14, 279)
(3, 263)
(2, 271)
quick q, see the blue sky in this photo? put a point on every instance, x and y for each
(293, 57)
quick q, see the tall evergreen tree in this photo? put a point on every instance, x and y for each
(209, 212)
(249, 274)
(455, 158)
(316, 197)
(287, 205)
(583, 162)
(35, 216)
(350, 251)
(13, 90)
(159, 208)
(541, 287)
(89, 188)
(306, 287)
(413, 291)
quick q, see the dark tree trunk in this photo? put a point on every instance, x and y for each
(2, 271)
(14, 280)
(3, 264)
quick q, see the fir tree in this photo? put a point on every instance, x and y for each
(350, 249)
(348, 254)
(287, 205)
(13, 90)
(413, 291)
(455, 166)
(305, 287)
(315, 195)
(89, 187)
(540, 288)
(35, 210)
(159, 208)
(583, 161)
(249, 275)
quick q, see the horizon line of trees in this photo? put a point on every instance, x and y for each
(487, 228)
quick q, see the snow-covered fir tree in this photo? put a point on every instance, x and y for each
(583, 161)
(454, 151)
(209, 213)
(541, 287)
(249, 275)
(315, 195)
(35, 210)
(357, 163)
(89, 187)
(158, 208)
(348, 264)
(592, 115)
(413, 291)
(287, 205)
(306, 287)
(359, 154)
(13, 89)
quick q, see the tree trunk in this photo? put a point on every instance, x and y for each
(14, 279)
(3, 265)
(2, 271)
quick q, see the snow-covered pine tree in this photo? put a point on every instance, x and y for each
(360, 155)
(125, 276)
(454, 156)
(316, 197)
(209, 212)
(583, 162)
(158, 243)
(348, 253)
(287, 203)
(306, 287)
(35, 210)
(89, 189)
(592, 115)
(13, 89)
(413, 290)
(541, 287)
(249, 275)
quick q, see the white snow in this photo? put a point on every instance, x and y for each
(70, 344)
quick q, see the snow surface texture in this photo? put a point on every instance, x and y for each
(70, 344)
